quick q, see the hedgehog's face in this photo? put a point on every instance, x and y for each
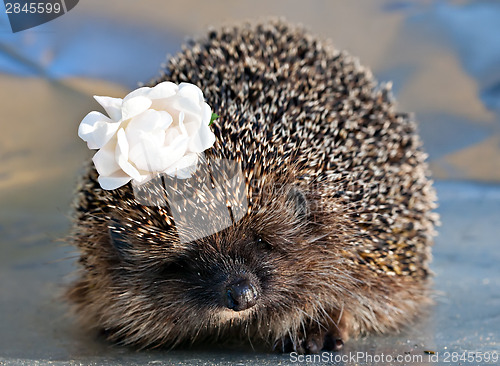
(263, 268)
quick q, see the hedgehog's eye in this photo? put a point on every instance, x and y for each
(262, 243)
(174, 267)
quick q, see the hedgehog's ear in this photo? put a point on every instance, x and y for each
(297, 200)
(118, 238)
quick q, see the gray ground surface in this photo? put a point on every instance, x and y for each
(466, 317)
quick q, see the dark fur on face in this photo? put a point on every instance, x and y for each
(338, 223)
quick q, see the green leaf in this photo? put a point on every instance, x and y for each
(213, 118)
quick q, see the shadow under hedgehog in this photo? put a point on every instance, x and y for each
(330, 209)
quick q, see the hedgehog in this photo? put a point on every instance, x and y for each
(330, 201)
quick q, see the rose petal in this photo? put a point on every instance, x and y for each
(190, 91)
(206, 114)
(113, 181)
(150, 157)
(134, 106)
(137, 92)
(202, 140)
(150, 120)
(163, 90)
(171, 153)
(193, 121)
(121, 155)
(96, 129)
(183, 168)
(181, 126)
(189, 105)
(112, 106)
(140, 157)
(145, 155)
(192, 127)
(146, 136)
(104, 160)
(145, 178)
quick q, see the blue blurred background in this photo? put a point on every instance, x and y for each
(442, 56)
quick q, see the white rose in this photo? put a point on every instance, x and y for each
(152, 130)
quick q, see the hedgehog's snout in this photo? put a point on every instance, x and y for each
(240, 294)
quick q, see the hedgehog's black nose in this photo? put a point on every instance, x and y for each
(240, 295)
